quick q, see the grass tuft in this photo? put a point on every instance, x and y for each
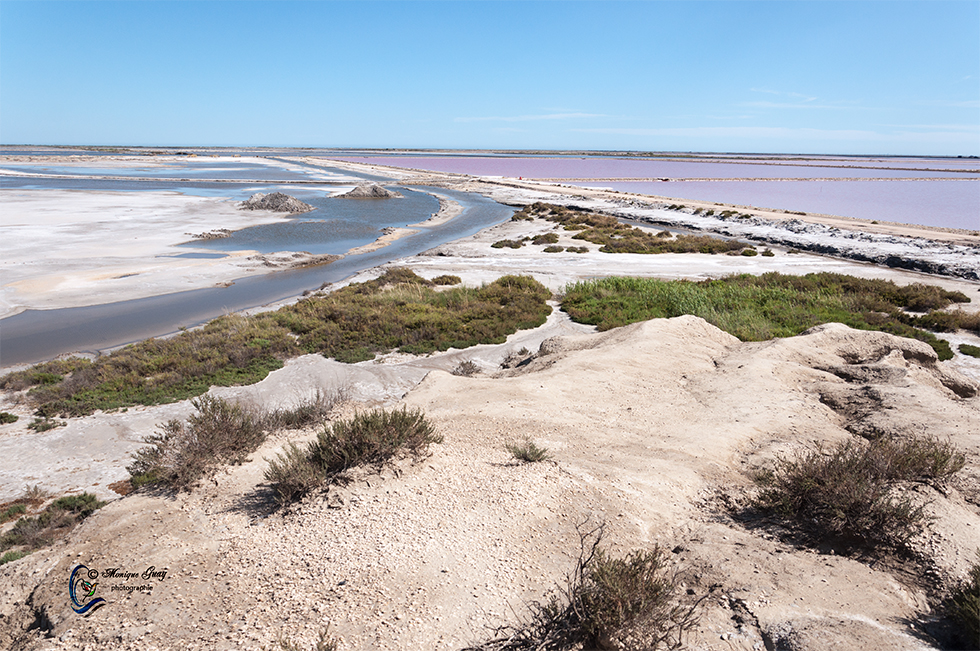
(60, 517)
(6, 418)
(528, 451)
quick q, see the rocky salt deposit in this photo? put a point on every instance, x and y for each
(370, 191)
(276, 202)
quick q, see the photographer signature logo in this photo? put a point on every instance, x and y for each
(82, 585)
(81, 589)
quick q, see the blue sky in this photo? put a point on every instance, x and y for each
(792, 77)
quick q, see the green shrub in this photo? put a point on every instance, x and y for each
(749, 252)
(578, 249)
(553, 249)
(60, 517)
(967, 349)
(768, 253)
(527, 451)
(12, 556)
(6, 418)
(372, 438)
(182, 453)
(511, 244)
(12, 512)
(849, 491)
(446, 279)
(546, 238)
(45, 424)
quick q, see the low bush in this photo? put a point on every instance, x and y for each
(182, 453)
(372, 438)
(963, 607)
(466, 368)
(12, 556)
(578, 249)
(527, 451)
(849, 492)
(6, 418)
(312, 411)
(60, 517)
(12, 511)
(768, 253)
(967, 349)
(510, 244)
(749, 252)
(753, 308)
(554, 249)
(633, 602)
(446, 279)
(546, 238)
(45, 424)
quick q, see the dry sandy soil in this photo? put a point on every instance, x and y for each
(654, 429)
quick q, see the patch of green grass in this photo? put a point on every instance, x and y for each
(12, 511)
(967, 349)
(372, 438)
(12, 556)
(6, 418)
(182, 453)
(757, 308)
(850, 492)
(750, 252)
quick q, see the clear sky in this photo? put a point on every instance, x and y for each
(793, 77)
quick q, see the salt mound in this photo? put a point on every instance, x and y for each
(370, 191)
(276, 202)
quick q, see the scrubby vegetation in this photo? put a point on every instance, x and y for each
(466, 368)
(6, 418)
(851, 492)
(60, 517)
(632, 603)
(447, 279)
(757, 308)
(527, 451)
(616, 237)
(312, 411)
(399, 310)
(967, 349)
(963, 607)
(372, 438)
(509, 244)
(545, 238)
(182, 453)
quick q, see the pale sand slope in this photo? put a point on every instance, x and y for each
(653, 428)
